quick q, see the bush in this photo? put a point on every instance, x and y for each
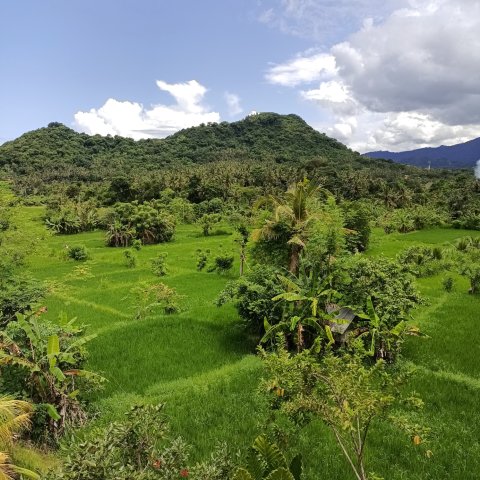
(207, 222)
(223, 263)
(147, 222)
(67, 217)
(149, 297)
(130, 259)
(448, 284)
(423, 261)
(202, 259)
(357, 221)
(44, 360)
(159, 267)
(79, 253)
(18, 294)
(137, 245)
(391, 288)
(252, 296)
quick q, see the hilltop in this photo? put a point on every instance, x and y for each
(265, 137)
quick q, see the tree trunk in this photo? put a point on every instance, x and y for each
(294, 261)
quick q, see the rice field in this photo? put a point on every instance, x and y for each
(202, 365)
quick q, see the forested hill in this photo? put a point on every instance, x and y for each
(462, 155)
(261, 137)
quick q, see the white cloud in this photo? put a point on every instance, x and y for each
(304, 68)
(132, 119)
(233, 103)
(410, 79)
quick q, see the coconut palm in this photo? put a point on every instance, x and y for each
(291, 220)
(14, 417)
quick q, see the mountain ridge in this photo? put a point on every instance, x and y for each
(461, 155)
(265, 137)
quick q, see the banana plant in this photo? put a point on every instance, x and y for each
(267, 462)
(49, 359)
(305, 296)
(384, 339)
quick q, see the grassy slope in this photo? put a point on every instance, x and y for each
(200, 363)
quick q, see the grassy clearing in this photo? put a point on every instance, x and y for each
(201, 364)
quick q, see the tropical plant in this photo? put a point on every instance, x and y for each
(119, 235)
(14, 417)
(78, 253)
(344, 392)
(147, 222)
(67, 217)
(252, 296)
(267, 462)
(305, 321)
(45, 360)
(289, 223)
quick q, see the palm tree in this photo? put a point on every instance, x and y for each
(14, 417)
(290, 214)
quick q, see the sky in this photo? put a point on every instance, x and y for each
(375, 74)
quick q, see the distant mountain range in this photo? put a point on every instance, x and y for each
(462, 155)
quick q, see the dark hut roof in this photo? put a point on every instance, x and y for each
(342, 319)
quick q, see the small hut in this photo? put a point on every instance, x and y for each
(341, 322)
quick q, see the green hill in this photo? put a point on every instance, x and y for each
(59, 150)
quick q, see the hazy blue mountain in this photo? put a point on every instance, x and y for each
(462, 155)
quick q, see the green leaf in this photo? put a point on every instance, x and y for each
(242, 474)
(53, 349)
(328, 331)
(52, 412)
(280, 474)
(289, 297)
(269, 452)
(24, 472)
(296, 467)
(255, 466)
(57, 373)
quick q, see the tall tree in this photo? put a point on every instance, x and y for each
(292, 216)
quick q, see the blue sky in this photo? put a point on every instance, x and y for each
(149, 67)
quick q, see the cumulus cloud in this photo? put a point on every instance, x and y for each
(233, 103)
(304, 68)
(132, 119)
(411, 79)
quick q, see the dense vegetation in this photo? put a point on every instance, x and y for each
(262, 287)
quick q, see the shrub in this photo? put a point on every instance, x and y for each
(357, 222)
(130, 259)
(149, 297)
(207, 222)
(159, 267)
(202, 259)
(252, 295)
(223, 263)
(67, 217)
(147, 222)
(78, 253)
(423, 261)
(18, 294)
(137, 245)
(391, 288)
(44, 360)
(448, 284)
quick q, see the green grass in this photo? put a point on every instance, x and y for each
(201, 364)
